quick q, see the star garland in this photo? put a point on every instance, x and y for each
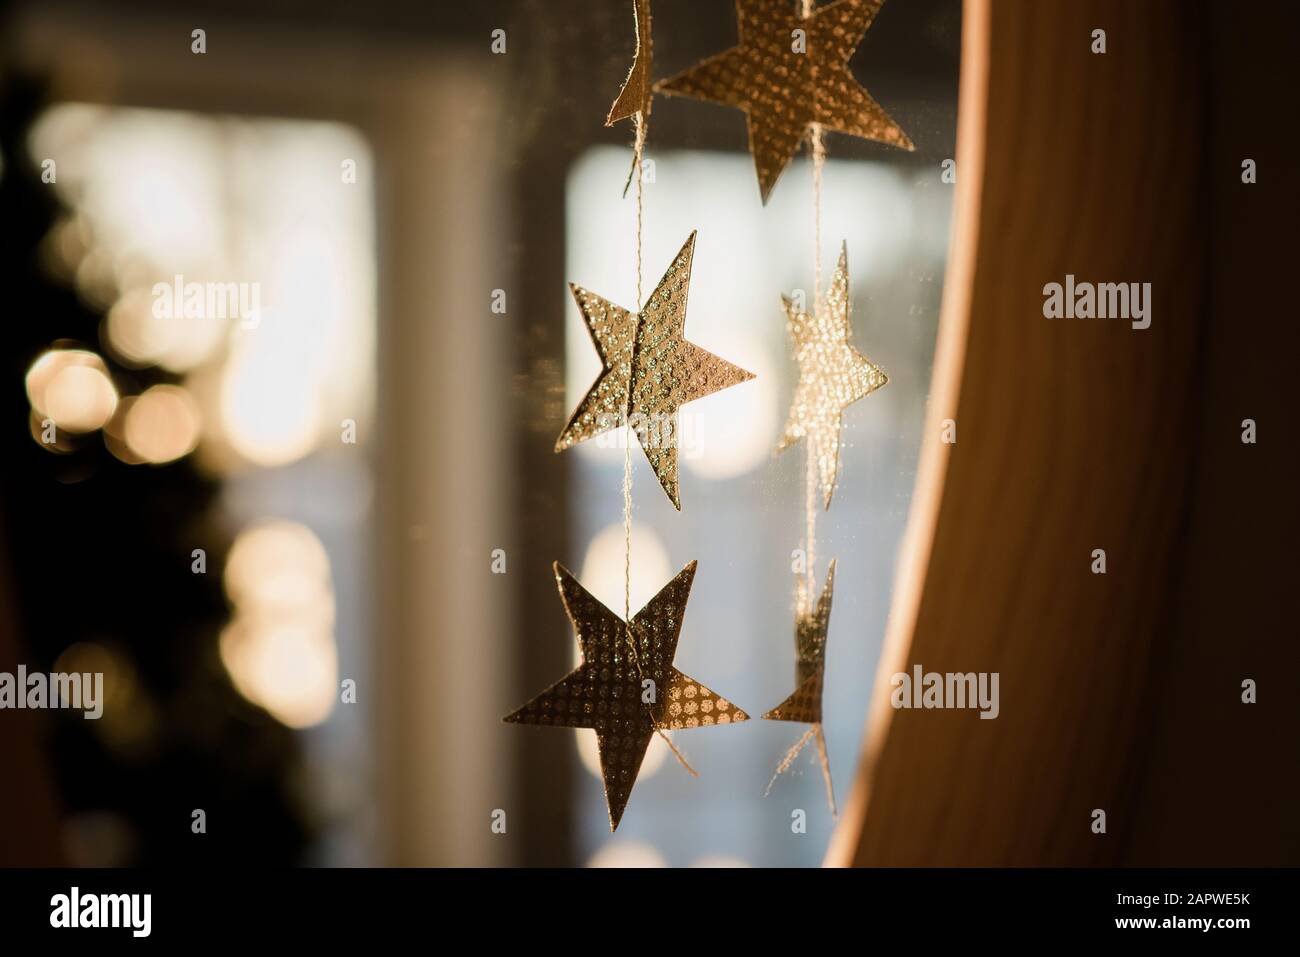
(626, 688)
(790, 75)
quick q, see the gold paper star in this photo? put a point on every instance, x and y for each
(650, 370)
(805, 704)
(832, 375)
(635, 96)
(783, 90)
(609, 690)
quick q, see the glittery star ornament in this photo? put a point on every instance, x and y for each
(805, 704)
(832, 375)
(607, 691)
(650, 370)
(634, 98)
(785, 85)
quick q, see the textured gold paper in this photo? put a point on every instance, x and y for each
(650, 370)
(832, 375)
(783, 91)
(805, 704)
(607, 691)
(635, 96)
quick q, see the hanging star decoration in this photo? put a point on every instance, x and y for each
(805, 704)
(650, 370)
(633, 101)
(787, 73)
(832, 375)
(635, 96)
(626, 687)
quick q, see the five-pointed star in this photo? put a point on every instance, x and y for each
(650, 370)
(609, 690)
(784, 85)
(832, 375)
(805, 704)
(635, 96)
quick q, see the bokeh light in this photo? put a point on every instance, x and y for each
(718, 860)
(72, 387)
(270, 408)
(602, 566)
(160, 198)
(94, 279)
(278, 565)
(290, 671)
(132, 331)
(627, 854)
(129, 717)
(175, 342)
(64, 246)
(279, 648)
(162, 424)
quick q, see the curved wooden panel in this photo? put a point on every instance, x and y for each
(1079, 434)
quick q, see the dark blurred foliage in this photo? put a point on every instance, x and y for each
(100, 551)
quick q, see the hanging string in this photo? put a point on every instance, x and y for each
(813, 733)
(806, 600)
(642, 125)
(637, 156)
(805, 597)
(789, 758)
(627, 439)
(819, 161)
(810, 459)
(810, 472)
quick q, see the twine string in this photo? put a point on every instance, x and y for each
(638, 154)
(789, 758)
(805, 596)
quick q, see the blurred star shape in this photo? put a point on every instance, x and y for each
(832, 375)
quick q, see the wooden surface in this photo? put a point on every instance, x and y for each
(1118, 691)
